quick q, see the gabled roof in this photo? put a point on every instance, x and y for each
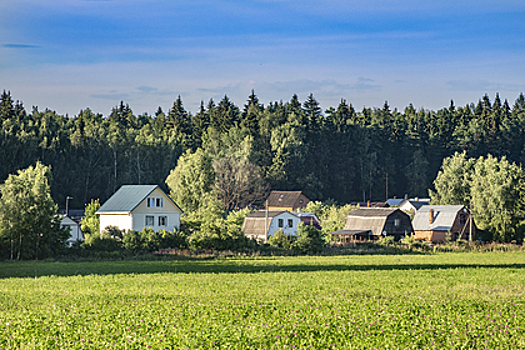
(283, 198)
(128, 197)
(416, 204)
(444, 217)
(271, 213)
(394, 201)
(373, 212)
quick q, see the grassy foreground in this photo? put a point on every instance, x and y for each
(438, 301)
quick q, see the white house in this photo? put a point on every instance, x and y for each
(263, 224)
(74, 229)
(135, 207)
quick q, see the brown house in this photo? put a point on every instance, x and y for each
(373, 223)
(439, 223)
(287, 200)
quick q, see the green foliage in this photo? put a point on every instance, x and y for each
(102, 241)
(90, 223)
(310, 240)
(281, 240)
(29, 221)
(496, 189)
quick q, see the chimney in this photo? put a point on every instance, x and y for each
(431, 221)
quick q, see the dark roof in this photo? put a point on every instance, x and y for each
(128, 197)
(370, 204)
(352, 232)
(283, 198)
(371, 212)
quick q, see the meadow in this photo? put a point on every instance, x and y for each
(434, 301)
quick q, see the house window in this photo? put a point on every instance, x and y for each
(396, 222)
(290, 223)
(154, 202)
(150, 220)
(281, 222)
(163, 221)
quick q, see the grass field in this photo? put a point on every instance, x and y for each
(435, 301)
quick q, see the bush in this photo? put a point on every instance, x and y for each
(281, 240)
(310, 240)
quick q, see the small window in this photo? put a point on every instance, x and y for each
(290, 223)
(163, 221)
(150, 220)
(396, 222)
(159, 202)
(150, 202)
(281, 222)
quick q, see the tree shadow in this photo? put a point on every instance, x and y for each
(40, 269)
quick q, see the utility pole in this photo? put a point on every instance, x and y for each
(470, 224)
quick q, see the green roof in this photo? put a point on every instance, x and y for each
(128, 197)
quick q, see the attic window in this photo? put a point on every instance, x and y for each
(155, 202)
(300, 201)
(396, 222)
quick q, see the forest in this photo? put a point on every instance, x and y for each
(338, 155)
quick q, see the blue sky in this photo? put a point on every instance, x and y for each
(67, 55)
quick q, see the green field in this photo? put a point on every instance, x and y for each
(436, 301)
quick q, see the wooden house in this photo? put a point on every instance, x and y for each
(135, 207)
(286, 200)
(262, 224)
(373, 223)
(439, 223)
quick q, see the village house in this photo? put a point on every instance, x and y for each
(439, 223)
(286, 200)
(410, 206)
(74, 230)
(310, 219)
(262, 224)
(135, 207)
(366, 224)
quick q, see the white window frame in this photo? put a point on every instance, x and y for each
(155, 202)
(163, 220)
(151, 222)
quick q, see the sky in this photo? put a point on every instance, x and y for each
(68, 55)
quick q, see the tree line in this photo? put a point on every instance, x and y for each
(337, 155)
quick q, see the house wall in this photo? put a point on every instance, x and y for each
(279, 208)
(122, 221)
(274, 224)
(168, 209)
(404, 227)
